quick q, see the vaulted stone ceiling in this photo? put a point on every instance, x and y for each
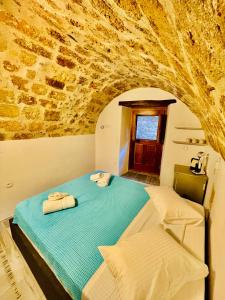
(62, 61)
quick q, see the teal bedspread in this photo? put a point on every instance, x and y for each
(68, 239)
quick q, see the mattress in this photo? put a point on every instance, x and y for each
(68, 239)
(102, 285)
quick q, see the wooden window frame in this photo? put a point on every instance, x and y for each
(156, 111)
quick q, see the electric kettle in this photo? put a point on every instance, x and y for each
(198, 164)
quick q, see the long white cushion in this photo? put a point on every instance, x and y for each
(172, 208)
(151, 265)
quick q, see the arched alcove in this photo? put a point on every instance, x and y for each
(112, 136)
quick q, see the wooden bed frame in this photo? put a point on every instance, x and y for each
(47, 280)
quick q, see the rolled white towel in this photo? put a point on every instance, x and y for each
(52, 206)
(96, 177)
(104, 181)
(57, 196)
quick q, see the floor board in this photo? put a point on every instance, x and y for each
(16, 279)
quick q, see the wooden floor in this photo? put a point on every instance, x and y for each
(151, 179)
(16, 279)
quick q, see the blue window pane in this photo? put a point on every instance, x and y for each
(147, 127)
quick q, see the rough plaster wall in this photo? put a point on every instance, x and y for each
(62, 61)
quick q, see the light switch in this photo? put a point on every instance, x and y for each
(9, 185)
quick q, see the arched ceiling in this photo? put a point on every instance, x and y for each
(62, 61)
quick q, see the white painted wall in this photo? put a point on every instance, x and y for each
(124, 140)
(35, 165)
(217, 233)
(107, 138)
(179, 114)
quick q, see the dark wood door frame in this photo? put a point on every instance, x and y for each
(147, 103)
(160, 111)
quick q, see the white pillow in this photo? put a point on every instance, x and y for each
(172, 208)
(151, 265)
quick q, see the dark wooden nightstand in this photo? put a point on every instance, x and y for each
(189, 185)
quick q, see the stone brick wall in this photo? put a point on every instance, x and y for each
(62, 61)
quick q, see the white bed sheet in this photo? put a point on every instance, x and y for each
(102, 286)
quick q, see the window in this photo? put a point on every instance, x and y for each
(147, 127)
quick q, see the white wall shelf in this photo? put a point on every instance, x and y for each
(188, 128)
(186, 143)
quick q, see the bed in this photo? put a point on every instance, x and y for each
(68, 260)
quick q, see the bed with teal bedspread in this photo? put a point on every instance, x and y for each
(68, 239)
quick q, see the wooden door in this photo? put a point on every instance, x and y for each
(147, 136)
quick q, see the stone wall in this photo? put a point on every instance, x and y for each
(61, 62)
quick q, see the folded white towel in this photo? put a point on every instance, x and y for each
(96, 177)
(57, 196)
(52, 206)
(104, 181)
